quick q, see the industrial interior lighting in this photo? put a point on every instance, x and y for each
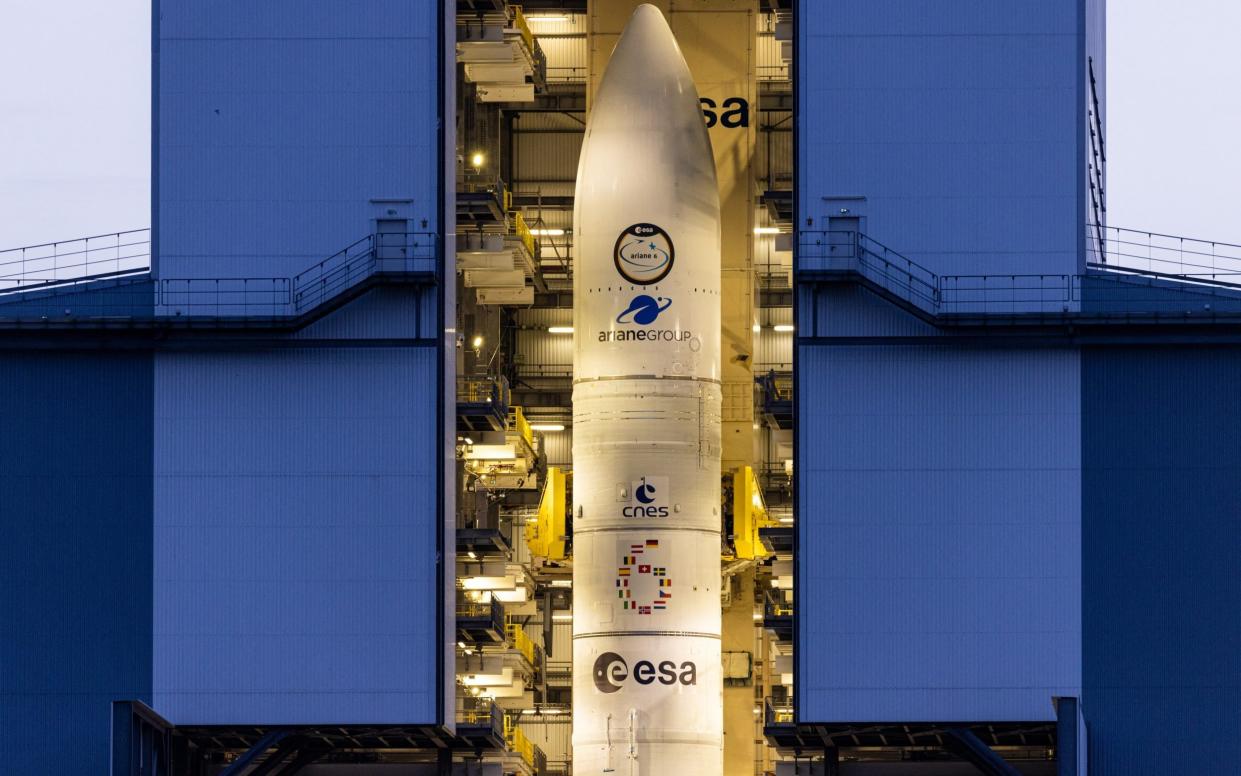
(756, 328)
(547, 232)
(478, 341)
(548, 19)
(766, 230)
(477, 159)
(547, 426)
(783, 327)
(559, 329)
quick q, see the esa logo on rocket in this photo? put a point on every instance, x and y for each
(644, 254)
(648, 497)
(612, 672)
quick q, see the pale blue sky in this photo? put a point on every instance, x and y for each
(75, 117)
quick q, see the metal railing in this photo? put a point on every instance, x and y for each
(105, 255)
(375, 254)
(777, 712)
(112, 285)
(224, 297)
(839, 251)
(484, 389)
(776, 386)
(482, 714)
(523, 747)
(1146, 276)
(473, 610)
(1165, 254)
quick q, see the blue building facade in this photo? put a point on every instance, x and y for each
(227, 488)
(1012, 456)
(225, 479)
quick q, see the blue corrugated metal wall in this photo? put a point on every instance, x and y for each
(959, 122)
(1161, 535)
(296, 497)
(939, 540)
(939, 485)
(276, 123)
(75, 554)
(295, 536)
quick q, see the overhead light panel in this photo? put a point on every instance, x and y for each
(547, 426)
(766, 230)
(477, 159)
(783, 327)
(550, 18)
(559, 329)
(547, 232)
(756, 328)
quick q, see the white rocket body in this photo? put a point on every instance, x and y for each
(647, 681)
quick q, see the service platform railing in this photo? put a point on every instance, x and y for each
(1147, 277)
(777, 712)
(1165, 254)
(105, 255)
(112, 285)
(482, 714)
(521, 745)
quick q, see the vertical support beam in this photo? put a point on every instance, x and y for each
(831, 761)
(1066, 737)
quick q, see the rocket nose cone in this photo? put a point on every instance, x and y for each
(647, 40)
(647, 83)
(647, 16)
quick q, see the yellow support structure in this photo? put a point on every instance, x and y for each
(749, 515)
(520, 641)
(523, 26)
(518, 743)
(517, 419)
(524, 233)
(545, 535)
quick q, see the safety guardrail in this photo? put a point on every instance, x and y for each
(521, 745)
(524, 645)
(490, 610)
(484, 390)
(484, 715)
(777, 713)
(116, 254)
(124, 294)
(1146, 277)
(1165, 254)
(376, 254)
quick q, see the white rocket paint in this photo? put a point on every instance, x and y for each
(647, 686)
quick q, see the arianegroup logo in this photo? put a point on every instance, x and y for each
(644, 309)
(611, 672)
(644, 254)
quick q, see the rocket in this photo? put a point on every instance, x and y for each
(647, 681)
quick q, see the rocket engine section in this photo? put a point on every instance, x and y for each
(647, 681)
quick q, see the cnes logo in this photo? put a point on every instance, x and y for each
(612, 673)
(648, 497)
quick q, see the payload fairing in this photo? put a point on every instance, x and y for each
(647, 681)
